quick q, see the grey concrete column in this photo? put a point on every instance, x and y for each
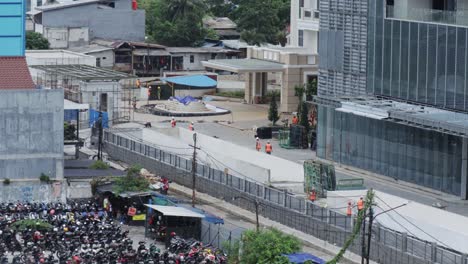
(433, 252)
(404, 242)
(464, 168)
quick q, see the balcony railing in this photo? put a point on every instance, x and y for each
(459, 18)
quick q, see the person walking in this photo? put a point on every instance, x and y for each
(190, 127)
(313, 195)
(258, 144)
(173, 122)
(360, 204)
(268, 148)
(349, 209)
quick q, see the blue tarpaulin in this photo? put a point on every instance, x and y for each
(300, 258)
(201, 81)
(94, 116)
(184, 100)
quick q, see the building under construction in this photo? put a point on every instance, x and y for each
(101, 88)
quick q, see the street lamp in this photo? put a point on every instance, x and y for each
(371, 221)
(256, 203)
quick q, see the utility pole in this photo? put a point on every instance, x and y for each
(99, 125)
(369, 232)
(194, 167)
(363, 242)
(256, 214)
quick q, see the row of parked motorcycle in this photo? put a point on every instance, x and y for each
(81, 232)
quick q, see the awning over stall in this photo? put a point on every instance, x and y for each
(174, 211)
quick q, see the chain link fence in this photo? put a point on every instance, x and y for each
(388, 246)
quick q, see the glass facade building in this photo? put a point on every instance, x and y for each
(427, 158)
(424, 62)
(412, 57)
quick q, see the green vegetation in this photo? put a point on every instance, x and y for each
(357, 227)
(264, 246)
(304, 118)
(44, 178)
(31, 224)
(99, 165)
(133, 182)
(175, 23)
(273, 115)
(6, 181)
(220, 8)
(69, 131)
(262, 21)
(234, 94)
(35, 41)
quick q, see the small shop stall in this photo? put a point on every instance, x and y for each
(164, 220)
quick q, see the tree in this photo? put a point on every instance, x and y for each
(357, 227)
(267, 246)
(220, 8)
(273, 115)
(262, 21)
(304, 117)
(132, 182)
(175, 23)
(35, 41)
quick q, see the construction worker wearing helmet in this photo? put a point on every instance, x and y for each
(190, 127)
(268, 148)
(258, 144)
(173, 122)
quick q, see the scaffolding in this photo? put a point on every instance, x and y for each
(101, 88)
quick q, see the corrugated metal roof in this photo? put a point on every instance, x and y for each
(244, 65)
(192, 80)
(174, 211)
(200, 50)
(14, 74)
(66, 5)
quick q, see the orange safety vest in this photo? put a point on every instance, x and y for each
(173, 123)
(360, 204)
(295, 120)
(313, 196)
(190, 127)
(268, 148)
(349, 211)
(258, 146)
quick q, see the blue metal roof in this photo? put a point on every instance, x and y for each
(192, 80)
(303, 257)
(12, 29)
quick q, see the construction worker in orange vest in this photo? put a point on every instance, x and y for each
(295, 120)
(349, 210)
(268, 148)
(313, 195)
(173, 122)
(190, 127)
(258, 145)
(360, 204)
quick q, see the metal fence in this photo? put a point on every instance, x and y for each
(388, 246)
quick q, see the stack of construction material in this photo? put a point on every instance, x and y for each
(298, 137)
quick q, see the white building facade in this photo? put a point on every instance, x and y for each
(304, 24)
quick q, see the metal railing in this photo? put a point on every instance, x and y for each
(388, 246)
(457, 18)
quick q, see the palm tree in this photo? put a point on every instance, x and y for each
(182, 7)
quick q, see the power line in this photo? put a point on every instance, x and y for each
(417, 227)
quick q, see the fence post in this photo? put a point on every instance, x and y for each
(264, 192)
(404, 242)
(285, 202)
(434, 252)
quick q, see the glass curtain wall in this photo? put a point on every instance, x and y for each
(417, 61)
(411, 154)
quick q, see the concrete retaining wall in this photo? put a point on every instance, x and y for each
(32, 191)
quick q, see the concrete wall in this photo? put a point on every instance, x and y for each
(65, 37)
(114, 23)
(91, 94)
(106, 56)
(168, 139)
(31, 133)
(234, 156)
(33, 191)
